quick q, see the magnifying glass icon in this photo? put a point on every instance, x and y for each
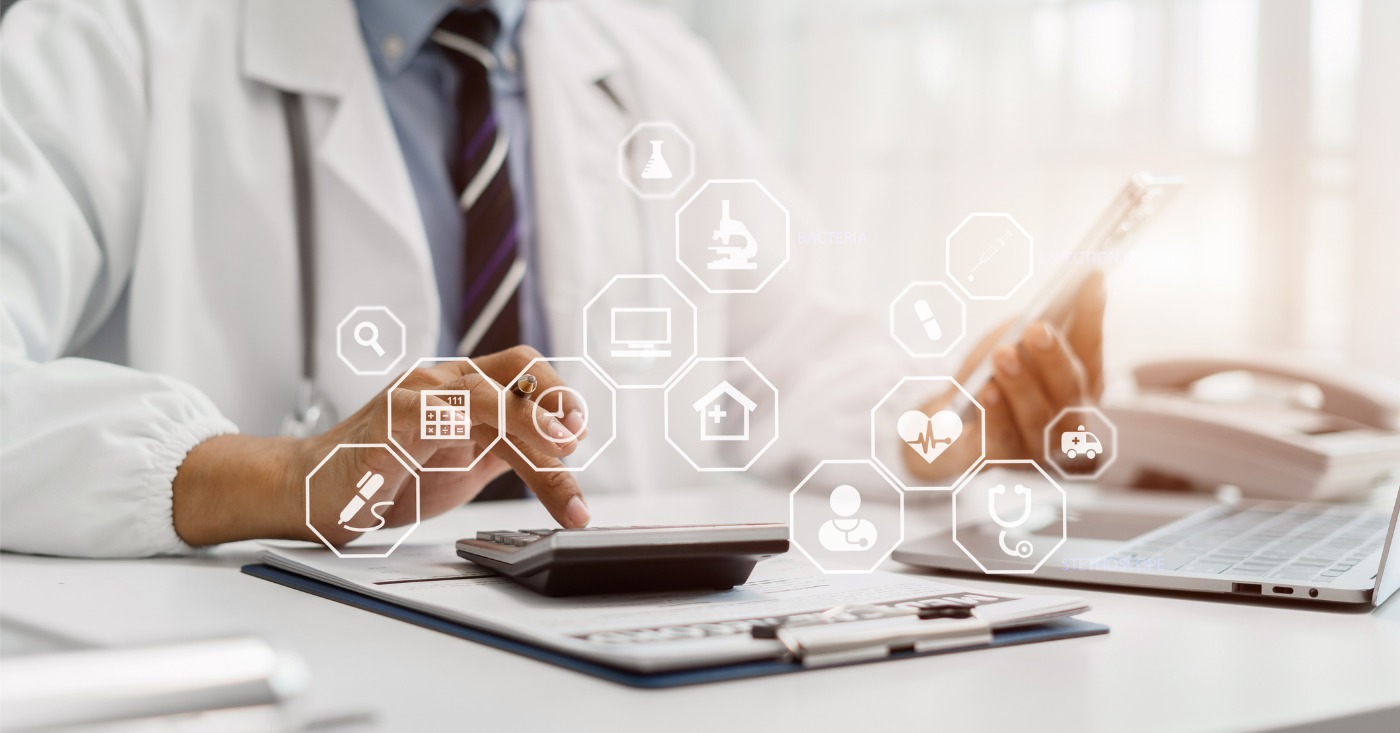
(372, 340)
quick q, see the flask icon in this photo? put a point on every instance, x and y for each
(656, 168)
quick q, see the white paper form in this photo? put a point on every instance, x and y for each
(645, 632)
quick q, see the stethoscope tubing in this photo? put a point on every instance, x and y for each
(310, 413)
(996, 516)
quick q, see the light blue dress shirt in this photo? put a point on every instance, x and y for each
(419, 84)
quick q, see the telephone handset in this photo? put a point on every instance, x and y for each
(1346, 393)
(1275, 427)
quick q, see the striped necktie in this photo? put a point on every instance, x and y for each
(489, 307)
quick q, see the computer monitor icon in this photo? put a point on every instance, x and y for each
(639, 332)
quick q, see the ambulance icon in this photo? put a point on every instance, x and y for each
(1074, 443)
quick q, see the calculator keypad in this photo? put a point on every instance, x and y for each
(511, 538)
(522, 537)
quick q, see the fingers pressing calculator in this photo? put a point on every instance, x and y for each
(566, 562)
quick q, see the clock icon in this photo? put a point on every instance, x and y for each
(551, 402)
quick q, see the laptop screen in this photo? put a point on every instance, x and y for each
(1388, 574)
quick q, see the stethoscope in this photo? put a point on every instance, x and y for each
(861, 543)
(1023, 547)
(311, 414)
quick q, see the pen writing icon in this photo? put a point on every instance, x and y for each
(368, 484)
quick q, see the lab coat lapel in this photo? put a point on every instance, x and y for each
(371, 247)
(588, 223)
(314, 47)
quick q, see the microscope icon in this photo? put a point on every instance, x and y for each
(732, 256)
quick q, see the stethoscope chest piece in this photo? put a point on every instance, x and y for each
(313, 415)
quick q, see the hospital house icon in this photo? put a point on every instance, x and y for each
(724, 413)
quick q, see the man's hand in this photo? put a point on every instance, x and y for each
(241, 487)
(1047, 370)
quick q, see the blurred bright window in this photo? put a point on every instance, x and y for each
(898, 117)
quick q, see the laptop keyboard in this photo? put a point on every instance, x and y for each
(1314, 543)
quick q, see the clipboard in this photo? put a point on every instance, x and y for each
(1067, 628)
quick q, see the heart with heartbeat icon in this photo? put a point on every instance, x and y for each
(929, 435)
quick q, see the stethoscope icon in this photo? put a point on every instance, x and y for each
(1023, 547)
(859, 542)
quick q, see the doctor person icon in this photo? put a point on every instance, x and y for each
(846, 534)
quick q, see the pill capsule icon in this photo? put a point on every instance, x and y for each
(925, 313)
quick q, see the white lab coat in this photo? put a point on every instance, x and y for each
(149, 258)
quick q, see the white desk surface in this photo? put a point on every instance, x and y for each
(1171, 663)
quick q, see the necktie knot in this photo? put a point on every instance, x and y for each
(477, 25)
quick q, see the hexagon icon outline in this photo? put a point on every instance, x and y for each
(694, 332)
(1102, 464)
(622, 161)
(612, 397)
(792, 515)
(340, 341)
(948, 255)
(962, 312)
(666, 412)
(875, 434)
(481, 451)
(787, 236)
(1064, 517)
(417, 502)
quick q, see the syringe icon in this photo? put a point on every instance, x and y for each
(990, 252)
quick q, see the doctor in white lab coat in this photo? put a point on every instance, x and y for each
(151, 346)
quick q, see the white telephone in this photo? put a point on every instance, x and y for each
(1275, 427)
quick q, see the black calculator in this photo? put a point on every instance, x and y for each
(569, 562)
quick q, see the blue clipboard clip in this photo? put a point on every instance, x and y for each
(858, 632)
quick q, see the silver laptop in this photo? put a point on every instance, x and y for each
(1269, 549)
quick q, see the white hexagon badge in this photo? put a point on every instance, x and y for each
(1081, 443)
(376, 494)
(989, 256)
(443, 415)
(733, 236)
(640, 331)
(721, 414)
(1010, 521)
(656, 160)
(846, 516)
(584, 403)
(928, 319)
(938, 432)
(371, 340)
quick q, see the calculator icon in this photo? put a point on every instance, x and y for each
(444, 414)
